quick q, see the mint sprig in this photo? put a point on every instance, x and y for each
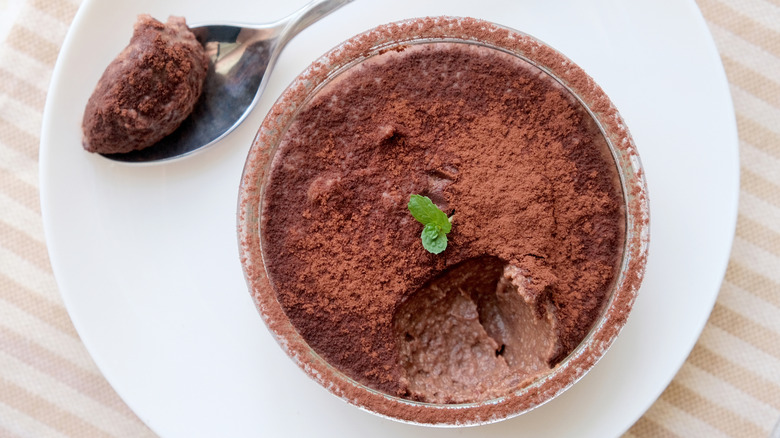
(436, 223)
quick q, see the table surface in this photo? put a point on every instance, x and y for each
(729, 386)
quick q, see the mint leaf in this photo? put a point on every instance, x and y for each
(432, 232)
(426, 212)
(434, 239)
(436, 223)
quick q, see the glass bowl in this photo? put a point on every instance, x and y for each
(368, 47)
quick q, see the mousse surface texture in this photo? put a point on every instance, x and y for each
(538, 223)
(147, 90)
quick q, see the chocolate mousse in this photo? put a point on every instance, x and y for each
(537, 211)
(148, 89)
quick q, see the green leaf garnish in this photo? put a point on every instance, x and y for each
(434, 239)
(436, 223)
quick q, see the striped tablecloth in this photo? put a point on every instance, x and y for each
(729, 386)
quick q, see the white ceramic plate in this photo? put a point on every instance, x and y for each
(147, 261)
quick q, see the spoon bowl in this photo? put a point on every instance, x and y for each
(242, 57)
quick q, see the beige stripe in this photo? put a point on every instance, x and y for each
(758, 234)
(755, 109)
(749, 306)
(44, 26)
(27, 426)
(53, 416)
(757, 284)
(760, 337)
(760, 163)
(30, 302)
(90, 384)
(59, 9)
(743, 52)
(29, 276)
(751, 81)
(725, 344)
(23, 168)
(718, 417)
(29, 42)
(26, 67)
(24, 246)
(681, 422)
(742, 25)
(726, 396)
(647, 428)
(19, 140)
(26, 119)
(5, 433)
(21, 219)
(66, 398)
(20, 191)
(761, 187)
(745, 380)
(758, 10)
(66, 346)
(758, 209)
(759, 136)
(21, 90)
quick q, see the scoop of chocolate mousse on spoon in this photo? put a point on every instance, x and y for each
(241, 59)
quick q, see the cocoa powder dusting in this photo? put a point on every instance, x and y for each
(490, 139)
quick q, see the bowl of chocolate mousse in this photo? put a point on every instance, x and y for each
(539, 178)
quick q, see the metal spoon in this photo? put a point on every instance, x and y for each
(242, 59)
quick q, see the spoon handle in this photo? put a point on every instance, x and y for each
(308, 15)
